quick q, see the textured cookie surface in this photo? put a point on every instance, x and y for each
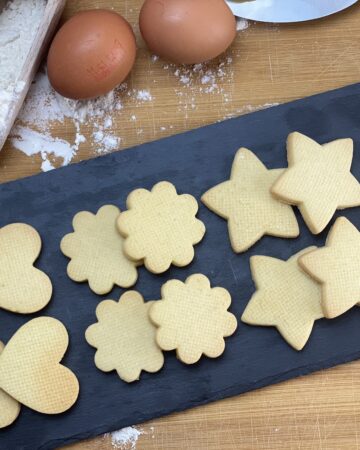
(337, 267)
(286, 298)
(9, 407)
(23, 288)
(160, 227)
(125, 337)
(318, 179)
(192, 318)
(246, 202)
(96, 251)
(30, 371)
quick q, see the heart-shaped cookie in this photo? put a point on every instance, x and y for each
(23, 288)
(9, 407)
(30, 369)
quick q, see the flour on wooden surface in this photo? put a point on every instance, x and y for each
(214, 78)
(19, 23)
(95, 118)
(126, 438)
(32, 142)
(241, 24)
(43, 106)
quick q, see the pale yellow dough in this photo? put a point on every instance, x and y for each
(318, 179)
(286, 298)
(247, 204)
(23, 288)
(337, 267)
(193, 318)
(30, 371)
(9, 407)
(125, 338)
(160, 227)
(96, 251)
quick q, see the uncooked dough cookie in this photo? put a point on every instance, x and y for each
(30, 371)
(193, 318)
(9, 407)
(337, 267)
(286, 298)
(96, 251)
(246, 202)
(125, 337)
(318, 179)
(23, 288)
(160, 227)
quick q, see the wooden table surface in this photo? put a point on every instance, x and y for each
(267, 64)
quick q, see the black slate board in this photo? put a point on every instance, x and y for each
(194, 162)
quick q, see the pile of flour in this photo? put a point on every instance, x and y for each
(43, 107)
(19, 23)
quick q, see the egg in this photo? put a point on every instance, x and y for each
(187, 31)
(92, 52)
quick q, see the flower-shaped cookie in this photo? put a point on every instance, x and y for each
(193, 319)
(160, 227)
(96, 251)
(125, 337)
(23, 288)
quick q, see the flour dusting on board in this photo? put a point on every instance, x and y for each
(126, 438)
(241, 24)
(31, 142)
(206, 78)
(19, 23)
(94, 124)
(44, 107)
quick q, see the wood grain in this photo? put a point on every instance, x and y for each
(269, 64)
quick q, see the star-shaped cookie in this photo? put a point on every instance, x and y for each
(318, 179)
(286, 298)
(337, 267)
(246, 202)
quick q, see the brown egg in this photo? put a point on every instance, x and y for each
(187, 31)
(92, 53)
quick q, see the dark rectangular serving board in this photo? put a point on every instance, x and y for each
(194, 162)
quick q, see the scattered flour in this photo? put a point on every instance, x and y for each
(43, 106)
(31, 142)
(144, 96)
(248, 109)
(214, 78)
(106, 142)
(126, 438)
(19, 22)
(241, 24)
